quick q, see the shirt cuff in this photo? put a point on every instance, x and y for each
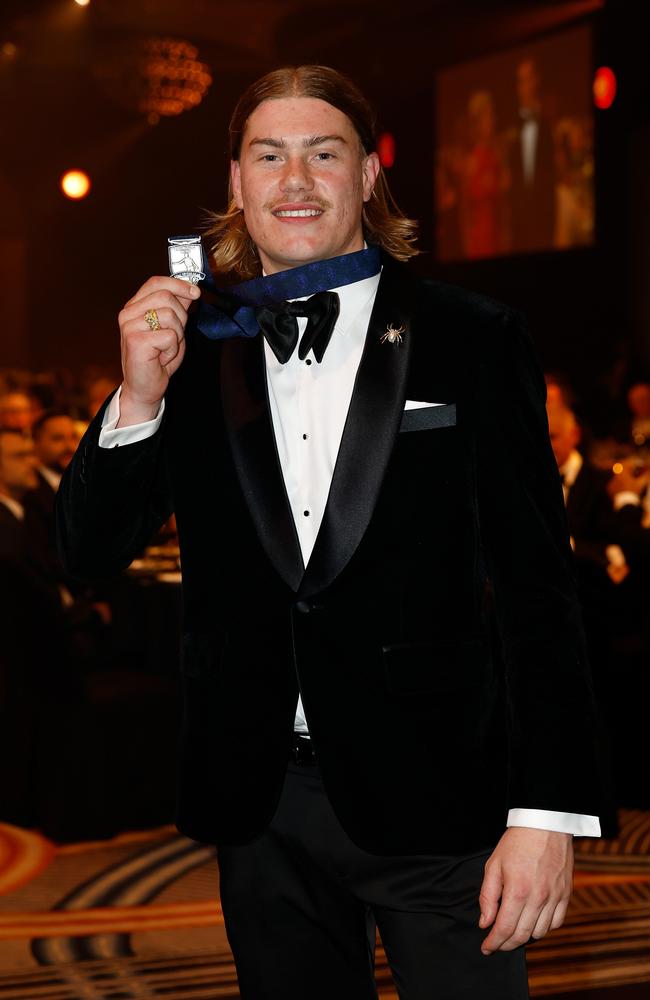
(626, 497)
(558, 822)
(112, 436)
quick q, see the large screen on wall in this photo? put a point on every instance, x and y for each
(514, 150)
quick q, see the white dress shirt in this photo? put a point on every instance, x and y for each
(13, 506)
(52, 478)
(570, 471)
(309, 404)
(529, 139)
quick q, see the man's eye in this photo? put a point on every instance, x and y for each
(269, 157)
(324, 156)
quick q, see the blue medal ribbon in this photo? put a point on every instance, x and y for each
(233, 311)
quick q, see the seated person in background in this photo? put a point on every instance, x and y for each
(629, 626)
(599, 564)
(17, 411)
(31, 631)
(17, 476)
(638, 401)
(558, 390)
(588, 505)
(630, 495)
(55, 441)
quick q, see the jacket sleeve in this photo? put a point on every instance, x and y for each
(554, 756)
(110, 502)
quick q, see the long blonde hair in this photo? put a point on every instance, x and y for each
(231, 247)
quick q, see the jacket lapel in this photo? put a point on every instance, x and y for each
(372, 424)
(252, 441)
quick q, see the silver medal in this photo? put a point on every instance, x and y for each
(186, 258)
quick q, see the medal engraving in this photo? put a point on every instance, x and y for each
(186, 258)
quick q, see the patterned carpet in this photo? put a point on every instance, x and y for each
(137, 918)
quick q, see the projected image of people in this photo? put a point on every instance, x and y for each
(514, 163)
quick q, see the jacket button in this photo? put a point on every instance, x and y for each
(304, 607)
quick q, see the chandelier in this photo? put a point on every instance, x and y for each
(155, 76)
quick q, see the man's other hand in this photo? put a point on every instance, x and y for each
(150, 358)
(526, 887)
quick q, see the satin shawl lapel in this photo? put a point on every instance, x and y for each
(371, 427)
(250, 431)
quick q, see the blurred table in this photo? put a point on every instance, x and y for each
(146, 603)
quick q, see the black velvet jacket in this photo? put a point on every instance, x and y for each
(430, 713)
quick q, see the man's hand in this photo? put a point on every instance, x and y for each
(531, 873)
(149, 359)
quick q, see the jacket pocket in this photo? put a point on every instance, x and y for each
(428, 418)
(441, 666)
(202, 653)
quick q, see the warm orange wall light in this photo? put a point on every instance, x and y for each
(75, 184)
(604, 87)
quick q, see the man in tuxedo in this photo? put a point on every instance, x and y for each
(55, 440)
(532, 166)
(589, 509)
(369, 740)
(17, 477)
(29, 630)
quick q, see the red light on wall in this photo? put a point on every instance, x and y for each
(604, 87)
(386, 149)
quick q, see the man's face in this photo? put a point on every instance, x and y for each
(563, 431)
(638, 399)
(56, 443)
(302, 179)
(17, 465)
(16, 411)
(528, 85)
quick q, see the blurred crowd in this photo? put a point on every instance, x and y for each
(56, 631)
(606, 482)
(59, 652)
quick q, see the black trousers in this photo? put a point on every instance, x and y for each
(302, 902)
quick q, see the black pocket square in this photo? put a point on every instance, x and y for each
(426, 418)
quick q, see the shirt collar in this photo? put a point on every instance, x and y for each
(352, 300)
(569, 471)
(52, 478)
(14, 507)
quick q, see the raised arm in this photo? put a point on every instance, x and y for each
(111, 500)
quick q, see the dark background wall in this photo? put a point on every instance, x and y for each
(66, 268)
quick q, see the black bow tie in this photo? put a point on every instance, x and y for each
(280, 327)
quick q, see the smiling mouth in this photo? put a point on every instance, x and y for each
(297, 213)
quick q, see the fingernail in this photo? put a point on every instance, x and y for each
(194, 291)
(484, 952)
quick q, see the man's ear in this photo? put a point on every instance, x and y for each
(235, 180)
(371, 168)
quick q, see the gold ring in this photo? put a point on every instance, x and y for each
(151, 316)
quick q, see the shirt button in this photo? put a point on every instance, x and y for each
(308, 361)
(306, 513)
(304, 437)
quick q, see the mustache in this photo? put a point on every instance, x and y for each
(314, 202)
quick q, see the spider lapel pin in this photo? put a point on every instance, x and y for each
(393, 335)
